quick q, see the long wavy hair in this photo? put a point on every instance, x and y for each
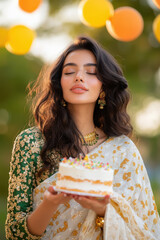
(54, 120)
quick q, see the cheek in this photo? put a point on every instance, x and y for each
(64, 84)
(96, 85)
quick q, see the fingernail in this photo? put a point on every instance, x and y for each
(107, 196)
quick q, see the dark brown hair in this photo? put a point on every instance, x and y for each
(55, 121)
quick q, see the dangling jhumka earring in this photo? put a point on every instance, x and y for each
(63, 103)
(102, 101)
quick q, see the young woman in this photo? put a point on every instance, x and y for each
(80, 108)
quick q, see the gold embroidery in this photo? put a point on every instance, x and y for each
(125, 161)
(26, 149)
(74, 233)
(143, 204)
(63, 228)
(134, 154)
(79, 225)
(137, 169)
(119, 148)
(126, 176)
(134, 202)
(145, 226)
(26, 162)
(138, 185)
(116, 171)
(57, 213)
(144, 217)
(93, 156)
(131, 188)
(109, 140)
(117, 185)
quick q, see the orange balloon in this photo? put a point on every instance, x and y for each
(20, 39)
(126, 24)
(29, 5)
(157, 3)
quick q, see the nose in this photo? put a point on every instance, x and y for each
(79, 77)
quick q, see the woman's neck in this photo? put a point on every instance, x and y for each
(83, 117)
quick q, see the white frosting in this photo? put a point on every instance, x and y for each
(82, 173)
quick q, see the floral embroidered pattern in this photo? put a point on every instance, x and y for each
(25, 163)
(132, 213)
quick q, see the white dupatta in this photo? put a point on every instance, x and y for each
(131, 214)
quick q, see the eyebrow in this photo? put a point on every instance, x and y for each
(86, 65)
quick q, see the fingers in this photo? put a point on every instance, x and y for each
(55, 197)
(51, 190)
(107, 199)
(85, 202)
(97, 205)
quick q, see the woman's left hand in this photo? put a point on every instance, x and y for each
(97, 205)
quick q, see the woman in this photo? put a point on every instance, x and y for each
(80, 109)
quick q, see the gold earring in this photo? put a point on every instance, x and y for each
(102, 101)
(63, 103)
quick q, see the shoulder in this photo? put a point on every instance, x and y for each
(30, 134)
(124, 141)
(29, 139)
(122, 144)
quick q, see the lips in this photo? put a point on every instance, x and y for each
(79, 87)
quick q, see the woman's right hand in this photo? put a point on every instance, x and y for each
(53, 199)
(38, 220)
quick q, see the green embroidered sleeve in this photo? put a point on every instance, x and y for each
(22, 181)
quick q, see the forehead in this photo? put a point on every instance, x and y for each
(81, 56)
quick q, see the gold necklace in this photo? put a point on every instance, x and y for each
(90, 139)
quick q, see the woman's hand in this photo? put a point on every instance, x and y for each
(52, 199)
(97, 205)
(39, 219)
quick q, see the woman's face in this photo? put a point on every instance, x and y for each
(79, 81)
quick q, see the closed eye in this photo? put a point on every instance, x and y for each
(91, 73)
(69, 73)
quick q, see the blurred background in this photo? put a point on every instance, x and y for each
(57, 23)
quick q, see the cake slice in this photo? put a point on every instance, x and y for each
(84, 176)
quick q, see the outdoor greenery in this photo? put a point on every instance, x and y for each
(140, 61)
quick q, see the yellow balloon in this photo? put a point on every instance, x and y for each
(3, 36)
(20, 39)
(156, 27)
(94, 13)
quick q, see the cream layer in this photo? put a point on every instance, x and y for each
(85, 186)
(80, 172)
